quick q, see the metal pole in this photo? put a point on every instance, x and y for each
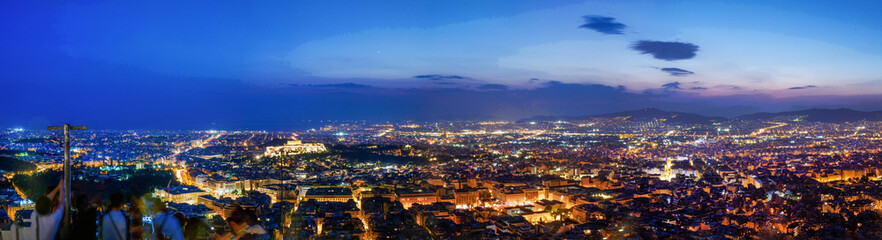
(66, 191)
(281, 231)
(66, 218)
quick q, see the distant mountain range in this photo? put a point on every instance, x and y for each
(818, 115)
(649, 114)
(646, 114)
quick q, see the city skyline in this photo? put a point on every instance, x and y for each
(642, 174)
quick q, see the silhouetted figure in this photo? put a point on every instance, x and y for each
(44, 222)
(84, 224)
(137, 214)
(115, 223)
(182, 219)
(165, 224)
(137, 229)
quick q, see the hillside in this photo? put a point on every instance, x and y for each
(817, 115)
(646, 114)
(10, 164)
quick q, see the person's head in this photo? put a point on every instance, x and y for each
(82, 202)
(137, 202)
(137, 206)
(43, 205)
(182, 219)
(116, 201)
(240, 218)
(159, 205)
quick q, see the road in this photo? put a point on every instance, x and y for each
(763, 130)
(199, 145)
(179, 171)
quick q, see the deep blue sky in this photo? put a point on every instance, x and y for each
(270, 65)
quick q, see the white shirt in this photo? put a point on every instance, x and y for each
(113, 226)
(48, 225)
(171, 228)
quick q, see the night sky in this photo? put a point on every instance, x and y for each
(273, 65)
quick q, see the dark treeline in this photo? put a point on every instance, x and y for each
(128, 182)
(361, 154)
(14, 165)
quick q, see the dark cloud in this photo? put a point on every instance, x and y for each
(671, 85)
(668, 51)
(533, 80)
(493, 87)
(436, 77)
(602, 24)
(677, 72)
(803, 87)
(698, 88)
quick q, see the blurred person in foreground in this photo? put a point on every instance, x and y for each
(45, 220)
(244, 225)
(84, 219)
(165, 224)
(182, 219)
(115, 223)
(137, 214)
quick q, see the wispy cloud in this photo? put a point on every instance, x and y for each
(553, 82)
(671, 85)
(440, 77)
(803, 87)
(493, 87)
(677, 72)
(335, 85)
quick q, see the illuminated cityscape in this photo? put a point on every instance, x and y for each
(600, 177)
(457, 119)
